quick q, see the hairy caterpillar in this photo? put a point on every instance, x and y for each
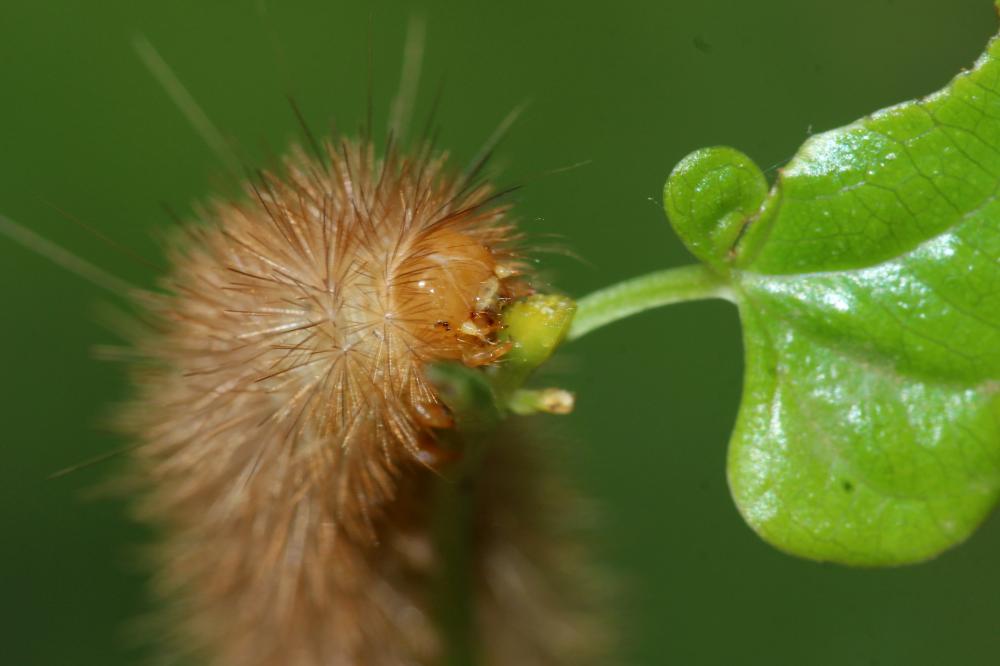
(289, 435)
(288, 440)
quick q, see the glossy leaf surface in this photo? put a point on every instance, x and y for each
(868, 283)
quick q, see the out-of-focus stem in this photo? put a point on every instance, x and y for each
(454, 540)
(471, 398)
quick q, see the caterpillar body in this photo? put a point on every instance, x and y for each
(288, 438)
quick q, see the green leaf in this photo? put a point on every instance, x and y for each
(868, 284)
(708, 198)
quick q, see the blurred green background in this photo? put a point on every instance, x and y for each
(630, 87)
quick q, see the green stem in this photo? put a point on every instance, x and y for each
(453, 539)
(673, 285)
(453, 510)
